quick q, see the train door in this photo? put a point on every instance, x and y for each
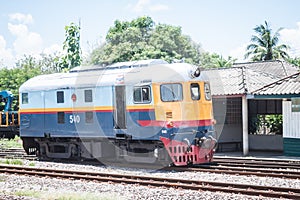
(120, 107)
(50, 121)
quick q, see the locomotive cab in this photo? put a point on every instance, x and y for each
(188, 133)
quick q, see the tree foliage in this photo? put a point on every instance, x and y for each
(265, 46)
(214, 60)
(294, 61)
(72, 47)
(142, 39)
(12, 79)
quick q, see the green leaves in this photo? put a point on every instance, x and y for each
(265, 46)
(72, 47)
(215, 61)
(142, 39)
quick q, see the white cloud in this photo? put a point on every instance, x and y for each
(17, 29)
(291, 37)
(21, 18)
(158, 7)
(7, 58)
(239, 53)
(53, 49)
(144, 5)
(141, 5)
(26, 42)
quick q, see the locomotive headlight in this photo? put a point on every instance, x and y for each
(214, 121)
(155, 152)
(195, 72)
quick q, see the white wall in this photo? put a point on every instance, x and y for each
(291, 121)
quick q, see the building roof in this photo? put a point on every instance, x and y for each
(250, 78)
(284, 86)
(276, 67)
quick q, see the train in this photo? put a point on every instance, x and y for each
(146, 111)
(9, 122)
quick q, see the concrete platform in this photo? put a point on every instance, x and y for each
(268, 155)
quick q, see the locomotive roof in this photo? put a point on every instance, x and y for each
(175, 72)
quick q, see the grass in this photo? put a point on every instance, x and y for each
(12, 161)
(47, 195)
(2, 179)
(28, 193)
(12, 143)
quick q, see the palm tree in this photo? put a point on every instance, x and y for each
(264, 46)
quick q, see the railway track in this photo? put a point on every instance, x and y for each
(235, 166)
(15, 153)
(258, 163)
(247, 171)
(245, 189)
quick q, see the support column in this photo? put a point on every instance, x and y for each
(245, 125)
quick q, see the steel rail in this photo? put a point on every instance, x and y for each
(246, 189)
(242, 171)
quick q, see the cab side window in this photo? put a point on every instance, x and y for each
(207, 91)
(141, 94)
(24, 98)
(195, 91)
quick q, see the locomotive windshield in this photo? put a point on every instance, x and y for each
(171, 92)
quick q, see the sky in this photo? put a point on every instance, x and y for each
(225, 27)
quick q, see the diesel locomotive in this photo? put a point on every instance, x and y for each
(144, 111)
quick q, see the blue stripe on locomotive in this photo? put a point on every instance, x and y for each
(41, 125)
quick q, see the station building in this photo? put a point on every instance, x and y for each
(257, 107)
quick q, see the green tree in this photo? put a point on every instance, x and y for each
(72, 47)
(215, 60)
(142, 39)
(265, 46)
(26, 68)
(49, 63)
(294, 61)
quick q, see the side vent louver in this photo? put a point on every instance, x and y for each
(169, 115)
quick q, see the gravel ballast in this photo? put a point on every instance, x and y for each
(28, 187)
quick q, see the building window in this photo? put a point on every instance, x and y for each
(61, 117)
(234, 111)
(171, 92)
(207, 91)
(88, 96)
(295, 104)
(195, 91)
(141, 94)
(24, 98)
(60, 97)
(89, 117)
